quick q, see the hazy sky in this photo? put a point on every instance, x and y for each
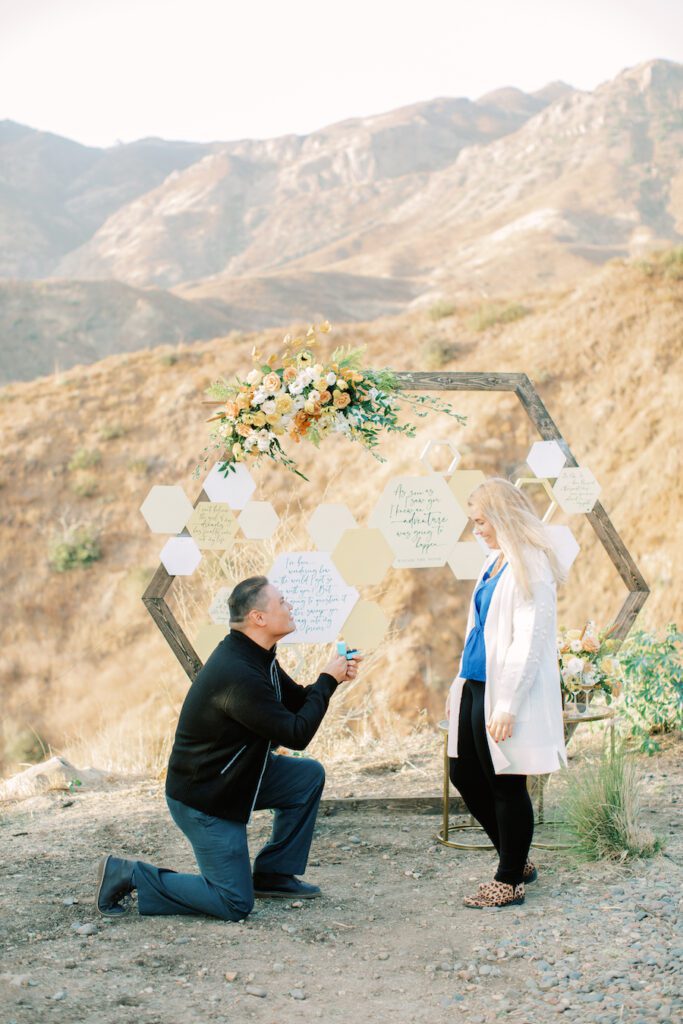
(105, 70)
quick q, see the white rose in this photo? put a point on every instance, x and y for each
(299, 403)
(259, 397)
(574, 666)
(314, 395)
(255, 377)
(331, 378)
(269, 407)
(575, 646)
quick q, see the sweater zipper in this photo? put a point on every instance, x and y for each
(265, 762)
(233, 759)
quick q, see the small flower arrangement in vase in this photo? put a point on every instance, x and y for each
(588, 666)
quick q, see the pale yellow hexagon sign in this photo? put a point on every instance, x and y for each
(576, 489)
(365, 627)
(463, 482)
(258, 520)
(166, 509)
(213, 526)
(208, 639)
(363, 556)
(328, 523)
(421, 520)
(466, 560)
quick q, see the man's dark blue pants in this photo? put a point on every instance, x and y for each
(292, 787)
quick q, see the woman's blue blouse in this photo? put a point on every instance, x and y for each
(474, 655)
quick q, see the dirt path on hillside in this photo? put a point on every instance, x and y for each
(390, 940)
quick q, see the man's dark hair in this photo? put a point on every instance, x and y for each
(247, 595)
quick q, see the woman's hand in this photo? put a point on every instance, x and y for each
(500, 725)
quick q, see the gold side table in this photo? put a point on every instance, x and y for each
(443, 835)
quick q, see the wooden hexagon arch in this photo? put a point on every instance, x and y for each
(522, 386)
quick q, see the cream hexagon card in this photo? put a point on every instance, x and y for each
(320, 598)
(421, 520)
(466, 560)
(258, 520)
(576, 489)
(208, 639)
(327, 524)
(365, 627)
(166, 509)
(213, 526)
(363, 556)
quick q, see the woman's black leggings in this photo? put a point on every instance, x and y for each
(500, 803)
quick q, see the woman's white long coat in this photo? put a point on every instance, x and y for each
(522, 671)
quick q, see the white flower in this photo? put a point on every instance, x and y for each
(264, 442)
(341, 425)
(259, 397)
(296, 387)
(308, 375)
(575, 646)
(331, 378)
(299, 403)
(269, 407)
(574, 666)
(250, 442)
(314, 395)
(255, 377)
(373, 393)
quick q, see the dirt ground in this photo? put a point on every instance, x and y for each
(390, 939)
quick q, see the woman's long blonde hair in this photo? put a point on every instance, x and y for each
(517, 526)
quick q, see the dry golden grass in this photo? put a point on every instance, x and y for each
(80, 655)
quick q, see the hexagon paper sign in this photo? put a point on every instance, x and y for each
(466, 560)
(236, 488)
(565, 544)
(327, 524)
(166, 509)
(463, 482)
(546, 458)
(576, 490)
(440, 457)
(321, 599)
(218, 609)
(180, 556)
(365, 627)
(363, 556)
(213, 526)
(208, 639)
(421, 520)
(258, 520)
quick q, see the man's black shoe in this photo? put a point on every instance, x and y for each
(114, 881)
(284, 887)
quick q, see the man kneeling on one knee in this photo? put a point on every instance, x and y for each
(240, 707)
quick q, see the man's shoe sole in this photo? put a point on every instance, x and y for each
(120, 911)
(277, 894)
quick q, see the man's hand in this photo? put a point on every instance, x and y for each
(352, 666)
(500, 725)
(337, 666)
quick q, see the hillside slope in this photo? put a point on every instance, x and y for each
(79, 651)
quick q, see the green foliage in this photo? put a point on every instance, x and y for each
(441, 309)
(602, 808)
(492, 313)
(76, 547)
(85, 486)
(111, 431)
(84, 458)
(653, 690)
(667, 263)
(436, 352)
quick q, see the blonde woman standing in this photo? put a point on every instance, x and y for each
(505, 705)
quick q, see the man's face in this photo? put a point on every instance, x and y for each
(276, 613)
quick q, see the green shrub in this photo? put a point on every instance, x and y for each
(602, 808)
(85, 486)
(441, 309)
(75, 547)
(84, 458)
(492, 313)
(672, 262)
(653, 686)
(436, 352)
(111, 431)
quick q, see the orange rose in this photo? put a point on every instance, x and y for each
(290, 374)
(341, 399)
(325, 397)
(231, 410)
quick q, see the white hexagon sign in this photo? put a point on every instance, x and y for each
(565, 544)
(236, 488)
(466, 560)
(327, 524)
(258, 520)
(218, 609)
(180, 556)
(166, 509)
(546, 458)
(320, 598)
(420, 518)
(576, 490)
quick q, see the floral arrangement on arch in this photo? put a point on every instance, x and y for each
(297, 395)
(588, 664)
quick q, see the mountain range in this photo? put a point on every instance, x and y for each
(104, 251)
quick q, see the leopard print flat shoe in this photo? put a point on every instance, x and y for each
(496, 894)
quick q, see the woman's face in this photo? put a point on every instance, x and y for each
(483, 527)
